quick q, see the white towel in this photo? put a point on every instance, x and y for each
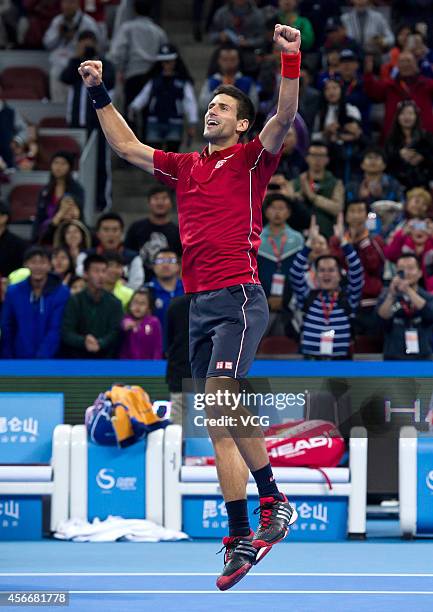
(115, 528)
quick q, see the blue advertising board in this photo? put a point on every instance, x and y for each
(320, 518)
(20, 517)
(424, 519)
(27, 422)
(116, 481)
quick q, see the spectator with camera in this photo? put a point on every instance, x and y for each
(91, 323)
(61, 40)
(33, 310)
(318, 189)
(329, 309)
(407, 313)
(415, 237)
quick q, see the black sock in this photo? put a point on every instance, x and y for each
(237, 512)
(265, 482)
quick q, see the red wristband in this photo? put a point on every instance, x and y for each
(291, 65)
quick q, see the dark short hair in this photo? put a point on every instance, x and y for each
(109, 216)
(143, 7)
(350, 203)
(35, 251)
(95, 258)
(114, 256)
(158, 189)
(85, 34)
(165, 250)
(62, 249)
(374, 150)
(245, 108)
(319, 143)
(319, 259)
(274, 197)
(409, 256)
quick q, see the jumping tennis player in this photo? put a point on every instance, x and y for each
(219, 197)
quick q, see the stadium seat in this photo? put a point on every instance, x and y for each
(368, 344)
(278, 345)
(53, 122)
(23, 201)
(48, 145)
(24, 83)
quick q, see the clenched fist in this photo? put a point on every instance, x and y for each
(289, 39)
(91, 72)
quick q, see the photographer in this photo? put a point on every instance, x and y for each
(61, 39)
(416, 238)
(407, 311)
(80, 108)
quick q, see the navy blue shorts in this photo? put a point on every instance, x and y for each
(225, 328)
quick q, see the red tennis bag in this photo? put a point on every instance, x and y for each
(304, 444)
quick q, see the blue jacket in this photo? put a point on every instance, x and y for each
(30, 327)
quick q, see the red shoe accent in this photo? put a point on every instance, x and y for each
(226, 582)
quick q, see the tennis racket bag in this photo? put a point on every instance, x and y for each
(304, 444)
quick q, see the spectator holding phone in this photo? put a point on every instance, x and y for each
(407, 312)
(416, 238)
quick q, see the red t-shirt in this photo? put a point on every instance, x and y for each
(219, 201)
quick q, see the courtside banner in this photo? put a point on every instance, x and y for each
(27, 422)
(20, 518)
(116, 481)
(320, 518)
(424, 457)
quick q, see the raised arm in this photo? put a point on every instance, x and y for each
(274, 132)
(119, 135)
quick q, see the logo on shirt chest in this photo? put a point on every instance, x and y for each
(221, 162)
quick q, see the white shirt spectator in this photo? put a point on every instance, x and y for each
(363, 29)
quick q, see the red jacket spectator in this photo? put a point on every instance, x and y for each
(370, 252)
(409, 85)
(418, 241)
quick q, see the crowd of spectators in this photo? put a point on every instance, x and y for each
(347, 244)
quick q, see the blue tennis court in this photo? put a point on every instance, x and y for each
(382, 573)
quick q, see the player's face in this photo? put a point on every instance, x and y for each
(328, 275)
(220, 121)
